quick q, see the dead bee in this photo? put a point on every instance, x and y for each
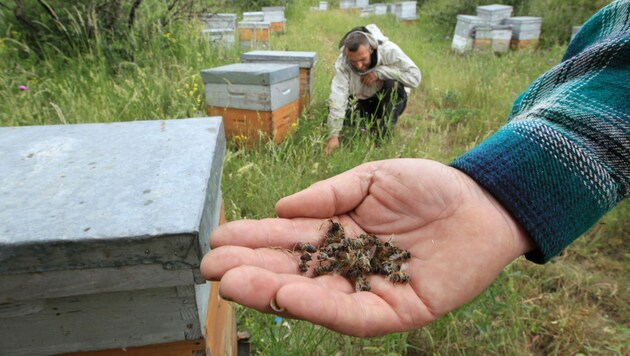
(303, 267)
(322, 256)
(352, 243)
(402, 255)
(363, 262)
(303, 246)
(399, 277)
(324, 269)
(306, 257)
(361, 284)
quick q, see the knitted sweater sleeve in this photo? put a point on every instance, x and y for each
(563, 159)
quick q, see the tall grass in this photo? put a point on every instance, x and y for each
(579, 303)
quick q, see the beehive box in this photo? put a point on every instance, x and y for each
(254, 98)
(406, 11)
(494, 14)
(275, 16)
(219, 21)
(482, 38)
(103, 227)
(254, 35)
(525, 31)
(501, 37)
(222, 37)
(380, 9)
(305, 60)
(463, 38)
(256, 16)
(361, 4)
(346, 4)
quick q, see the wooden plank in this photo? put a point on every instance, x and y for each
(179, 348)
(220, 320)
(245, 125)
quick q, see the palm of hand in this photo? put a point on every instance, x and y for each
(459, 238)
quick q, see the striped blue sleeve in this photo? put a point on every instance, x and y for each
(563, 159)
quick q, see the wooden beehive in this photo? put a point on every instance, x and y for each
(525, 31)
(494, 14)
(275, 16)
(463, 38)
(305, 60)
(255, 99)
(495, 38)
(254, 35)
(406, 12)
(103, 230)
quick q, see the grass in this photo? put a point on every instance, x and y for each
(577, 304)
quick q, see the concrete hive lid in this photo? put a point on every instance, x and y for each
(303, 59)
(70, 193)
(251, 73)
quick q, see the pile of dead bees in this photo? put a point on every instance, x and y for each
(354, 258)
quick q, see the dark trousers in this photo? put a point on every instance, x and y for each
(380, 112)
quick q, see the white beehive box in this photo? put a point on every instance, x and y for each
(494, 14)
(222, 37)
(254, 35)
(361, 4)
(254, 97)
(406, 10)
(275, 16)
(305, 60)
(346, 4)
(219, 21)
(380, 9)
(103, 227)
(256, 16)
(525, 31)
(463, 37)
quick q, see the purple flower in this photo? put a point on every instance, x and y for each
(362, 129)
(23, 88)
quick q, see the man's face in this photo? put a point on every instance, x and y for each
(361, 58)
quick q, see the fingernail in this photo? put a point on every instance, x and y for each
(275, 306)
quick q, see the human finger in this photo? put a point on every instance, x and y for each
(333, 196)
(283, 233)
(256, 287)
(362, 314)
(222, 259)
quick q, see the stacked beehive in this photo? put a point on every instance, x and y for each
(525, 31)
(305, 60)
(406, 11)
(254, 34)
(275, 16)
(256, 100)
(102, 238)
(494, 28)
(353, 5)
(220, 29)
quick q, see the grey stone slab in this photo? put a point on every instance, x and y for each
(108, 195)
(251, 73)
(303, 59)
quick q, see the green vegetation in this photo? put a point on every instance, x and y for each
(577, 304)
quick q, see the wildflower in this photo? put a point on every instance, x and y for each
(277, 320)
(23, 88)
(363, 129)
(294, 124)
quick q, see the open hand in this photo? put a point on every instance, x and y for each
(459, 237)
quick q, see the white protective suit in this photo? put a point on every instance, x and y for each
(392, 63)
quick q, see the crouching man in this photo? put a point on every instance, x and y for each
(371, 75)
